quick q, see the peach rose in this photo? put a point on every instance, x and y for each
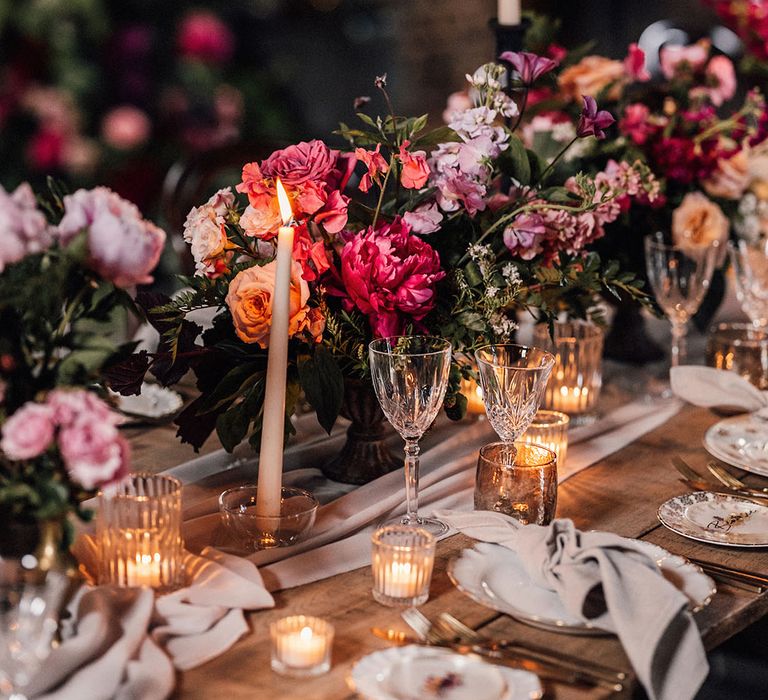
(699, 222)
(250, 302)
(591, 75)
(261, 222)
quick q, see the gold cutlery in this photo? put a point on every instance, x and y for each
(728, 479)
(698, 482)
(738, 578)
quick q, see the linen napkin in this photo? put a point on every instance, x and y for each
(125, 642)
(609, 581)
(710, 387)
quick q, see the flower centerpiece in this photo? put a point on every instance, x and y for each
(449, 231)
(66, 265)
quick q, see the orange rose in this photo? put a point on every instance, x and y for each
(591, 75)
(250, 302)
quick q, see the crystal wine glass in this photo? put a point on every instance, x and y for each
(410, 376)
(29, 611)
(513, 378)
(680, 277)
(750, 266)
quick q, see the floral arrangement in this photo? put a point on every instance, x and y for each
(67, 266)
(449, 231)
(749, 19)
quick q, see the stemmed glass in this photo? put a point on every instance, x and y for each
(29, 610)
(410, 376)
(750, 266)
(680, 277)
(513, 378)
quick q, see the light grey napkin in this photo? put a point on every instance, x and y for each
(710, 387)
(124, 642)
(609, 581)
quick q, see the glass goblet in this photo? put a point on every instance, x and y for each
(679, 277)
(750, 267)
(513, 378)
(410, 376)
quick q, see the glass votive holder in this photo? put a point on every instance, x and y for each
(252, 531)
(549, 429)
(139, 533)
(577, 377)
(301, 646)
(740, 348)
(402, 561)
(519, 480)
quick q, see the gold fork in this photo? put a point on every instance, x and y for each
(728, 479)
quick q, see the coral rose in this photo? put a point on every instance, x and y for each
(262, 222)
(699, 222)
(28, 432)
(250, 302)
(592, 75)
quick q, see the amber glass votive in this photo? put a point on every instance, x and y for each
(549, 429)
(139, 533)
(740, 348)
(301, 645)
(402, 561)
(577, 377)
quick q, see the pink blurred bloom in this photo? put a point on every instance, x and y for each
(634, 64)
(203, 36)
(415, 171)
(635, 123)
(592, 121)
(28, 432)
(675, 59)
(721, 75)
(376, 166)
(45, 150)
(457, 102)
(529, 66)
(556, 52)
(70, 405)
(122, 247)
(125, 127)
(23, 228)
(424, 219)
(94, 453)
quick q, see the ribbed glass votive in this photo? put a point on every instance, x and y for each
(139, 533)
(549, 429)
(301, 645)
(740, 348)
(402, 561)
(575, 382)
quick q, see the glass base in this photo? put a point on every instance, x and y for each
(431, 525)
(308, 671)
(395, 602)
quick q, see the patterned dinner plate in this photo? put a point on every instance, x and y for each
(741, 441)
(717, 518)
(419, 673)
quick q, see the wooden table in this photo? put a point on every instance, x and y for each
(620, 494)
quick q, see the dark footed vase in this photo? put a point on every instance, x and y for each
(365, 455)
(628, 339)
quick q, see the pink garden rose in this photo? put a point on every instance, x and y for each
(204, 231)
(389, 275)
(23, 228)
(94, 452)
(122, 247)
(303, 162)
(28, 432)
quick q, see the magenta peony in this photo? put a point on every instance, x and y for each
(23, 228)
(122, 247)
(28, 432)
(389, 275)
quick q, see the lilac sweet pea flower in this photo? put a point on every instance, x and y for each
(529, 66)
(592, 122)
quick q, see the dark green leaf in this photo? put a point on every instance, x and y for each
(323, 385)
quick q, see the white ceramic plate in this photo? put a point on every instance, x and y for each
(741, 441)
(694, 514)
(494, 576)
(154, 403)
(422, 673)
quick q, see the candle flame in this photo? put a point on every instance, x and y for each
(306, 632)
(285, 204)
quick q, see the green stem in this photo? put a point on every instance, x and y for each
(553, 162)
(381, 192)
(69, 311)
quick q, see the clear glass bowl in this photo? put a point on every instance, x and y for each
(237, 507)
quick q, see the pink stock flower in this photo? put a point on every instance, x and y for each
(28, 432)
(203, 36)
(529, 66)
(415, 171)
(634, 64)
(593, 122)
(376, 166)
(23, 228)
(460, 190)
(122, 247)
(94, 452)
(424, 219)
(390, 276)
(126, 127)
(457, 102)
(524, 236)
(683, 59)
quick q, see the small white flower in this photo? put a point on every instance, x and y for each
(491, 291)
(511, 274)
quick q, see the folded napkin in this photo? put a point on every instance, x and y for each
(124, 642)
(710, 387)
(610, 582)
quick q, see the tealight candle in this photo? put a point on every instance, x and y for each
(402, 562)
(301, 645)
(474, 394)
(549, 429)
(145, 570)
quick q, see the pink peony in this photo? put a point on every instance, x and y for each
(205, 37)
(94, 452)
(634, 64)
(28, 432)
(390, 276)
(424, 219)
(683, 59)
(122, 247)
(125, 128)
(70, 405)
(23, 228)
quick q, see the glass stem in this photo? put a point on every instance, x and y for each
(412, 480)
(679, 349)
